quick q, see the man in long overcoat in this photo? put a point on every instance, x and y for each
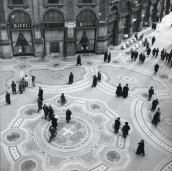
(68, 115)
(125, 91)
(99, 76)
(154, 104)
(39, 104)
(119, 91)
(109, 57)
(13, 86)
(151, 92)
(20, 87)
(45, 108)
(40, 94)
(125, 129)
(153, 40)
(156, 118)
(78, 60)
(156, 67)
(7, 98)
(140, 148)
(117, 125)
(71, 78)
(94, 81)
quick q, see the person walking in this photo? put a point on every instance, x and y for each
(52, 133)
(117, 125)
(94, 81)
(125, 129)
(45, 109)
(63, 99)
(40, 94)
(54, 123)
(156, 118)
(105, 56)
(154, 26)
(119, 90)
(20, 87)
(39, 105)
(156, 52)
(140, 148)
(109, 57)
(33, 80)
(78, 60)
(13, 87)
(132, 55)
(99, 76)
(50, 112)
(26, 80)
(151, 92)
(71, 78)
(136, 55)
(153, 52)
(156, 67)
(148, 51)
(125, 91)
(154, 104)
(7, 98)
(153, 40)
(68, 115)
(23, 84)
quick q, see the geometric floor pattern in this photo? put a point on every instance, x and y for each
(88, 142)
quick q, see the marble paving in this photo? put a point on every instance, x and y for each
(88, 141)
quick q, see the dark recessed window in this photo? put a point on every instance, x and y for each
(87, 1)
(53, 1)
(17, 2)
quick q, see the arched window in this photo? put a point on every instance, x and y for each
(19, 17)
(127, 6)
(53, 19)
(53, 16)
(113, 12)
(86, 18)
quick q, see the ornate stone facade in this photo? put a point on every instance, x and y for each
(102, 24)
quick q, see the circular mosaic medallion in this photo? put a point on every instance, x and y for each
(14, 136)
(74, 135)
(163, 76)
(89, 63)
(113, 156)
(126, 78)
(30, 112)
(95, 106)
(22, 66)
(56, 77)
(145, 95)
(115, 62)
(167, 121)
(56, 65)
(28, 165)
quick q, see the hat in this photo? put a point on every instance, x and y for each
(56, 116)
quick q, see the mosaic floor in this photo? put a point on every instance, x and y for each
(88, 142)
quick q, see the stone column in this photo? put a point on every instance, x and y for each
(102, 37)
(70, 38)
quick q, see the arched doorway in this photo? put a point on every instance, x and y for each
(21, 33)
(53, 26)
(127, 9)
(112, 25)
(85, 31)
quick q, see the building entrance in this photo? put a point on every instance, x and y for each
(21, 34)
(85, 32)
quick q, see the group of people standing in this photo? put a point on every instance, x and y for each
(122, 91)
(23, 83)
(107, 56)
